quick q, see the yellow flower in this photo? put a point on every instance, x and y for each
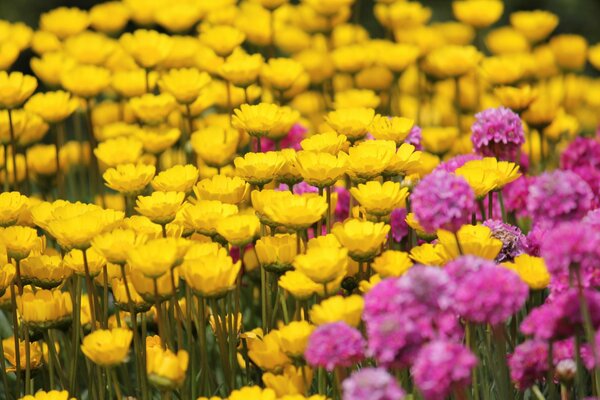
(258, 168)
(298, 285)
(95, 262)
(321, 169)
(85, 80)
(430, 254)
(532, 270)
(51, 395)
(292, 382)
(205, 214)
(241, 69)
(503, 70)
(157, 139)
(370, 158)
(109, 17)
(281, 73)
(145, 286)
(475, 240)
(179, 178)
(43, 271)
(276, 253)
(287, 118)
(132, 83)
(563, 125)
(211, 275)
(478, 13)
(16, 88)
(19, 241)
(9, 52)
(322, 265)
(594, 56)
(534, 25)
(294, 211)
(391, 128)
(107, 348)
(37, 355)
(122, 299)
(378, 198)
(399, 56)
(50, 66)
(115, 245)
(406, 159)
(129, 179)
(328, 7)
(240, 229)
(89, 48)
(439, 140)
(516, 98)
(152, 109)
(160, 207)
(7, 273)
(482, 181)
(293, 337)
(257, 120)
(337, 308)
(216, 145)
(363, 239)
(178, 16)
(253, 393)
(356, 98)
(154, 258)
(165, 369)
(184, 84)
(392, 263)
(12, 205)
(265, 351)
(148, 48)
(289, 172)
(52, 106)
(45, 308)
(570, 51)
(452, 61)
(64, 21)
(121, 150)
(231, 190)
(506, 40)
(352, 122)
(222, 39)
(328, 142)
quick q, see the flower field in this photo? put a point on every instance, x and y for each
(264, 200)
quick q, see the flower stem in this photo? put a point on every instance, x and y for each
(76, 329)
(13, 301)
(13, 145)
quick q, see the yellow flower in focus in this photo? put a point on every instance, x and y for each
(160, 207)
(478, 13)
(165, 369)
(12, 205)
(321, 169)
(19, 241)
(293, 337)
(370, 158)
(276, 253)
(16, 88)
(222, 39)
(129, 179)
(281, 73)
(154, 258)
(535, 25)
(258, 168)
(240, 229)
(211, 275)
(109, 17)
(391, 128)
(45, 308)
(322, 265)
(216, 145)
(205, 214)
(148, 48)
(152, 109)
(298, 285)
(145, 286)
(121, 150)
(430, 254)
(179, 178)
(482, 181)
(257, 120)
(439, 140)
(231, 190)
(406, 159)
(392, 263)
(115, 245)
(51, 395)
(52, 106)
(515, 98)
(328, 142)
(95, 262)
(7, 274)
(363, 239)
(107, 348)
(570, 51)
(85, 80)
(265, 350)
(64, 21)
(532, 270)
(452, 61)
(380, 199)
(46, 272)
(294, 211)
(337, 308)
(352, 122)
(184, 84)
(291, 383)
(476, 240)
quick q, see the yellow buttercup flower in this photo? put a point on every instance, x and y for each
(38, 353)
(265, 351)
(321, 169)
(240, 229)
(12, 205)
(570, 51)
(391, 128)
(157, 139)
(95, 262)
(216, 145)
(120, 150)
(452, 61)
(154, 258)
(276, 253)
(298, 285)
(323, 265)
(352, 122)
(129, 179)
(257, 120)
(293, 337)
(478, 13)
(380, 199)
(406, 159)
(64, 21)
(211, 275)
(262, 198)
(16, 88)
(222, 39)
(370, 158)
(430, 254)
(482, 181)
(85, 80)
(122, 299)
(328, 142)
(281, 73)
(115, 245)
(205, 214)
(44, 271)
(166, 369)
(258, 168)
(89, 48)
(231, 190)
(516, 98)
(392, 263)
(45, 308)
(19, 241)
(475, 240)
(291, 383)
(532, 270)
(294, 211)
(241, 69)
(109, 17)
(179, 178)
(148, 48)
(535, 25)
(107, 348)
(503, 70)
(337, 308)
(160, 207)
(52, 106)
(184, 84)
(326, 241)
(152, 109)
(50, 66)
(363, 239)
(398, 56)
(51, 395)
(133, 83)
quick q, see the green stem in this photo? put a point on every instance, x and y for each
(490, 205)
(27, 361)
(13, 145)
(502, 209)
(76, 329)
(13, 300)
(51, 350)
(115, 382)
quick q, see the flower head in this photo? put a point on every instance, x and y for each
(16, 88)
(372, 384)
(334, 345)
(497, 132)
(107, 348)
(363, 239)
